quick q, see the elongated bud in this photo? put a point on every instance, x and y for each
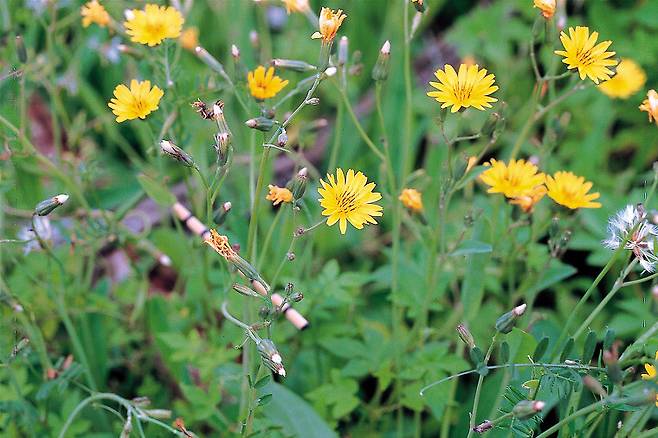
(506, 322)
(270, 356)
(222, 212)
(260, 123)
(293, 64)
(466, 336)
(244, 290)
(209, 60)
(21, 52)
(46, 206)
(176, 153)
(483, 427)
(235, 52)
(382, 66)
(299, 184)
(161, 414)
(527, 409)
(222, 147)
(343, 51)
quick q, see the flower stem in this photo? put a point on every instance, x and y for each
(478, 388)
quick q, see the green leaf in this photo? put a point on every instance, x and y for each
(472, 247)
(264, 399)
(540, 350)
(156, 191)
(589, 347)
(294, 414)
(552, 276)
(262, 382)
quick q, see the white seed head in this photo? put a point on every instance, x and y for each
(60, 199)
(386, 48)
(519, 310)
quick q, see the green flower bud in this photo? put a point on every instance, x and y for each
(466, 336)
(382, 66)
(176, 153)
(261, 123)
(505, 323)
(526, 409)
(298, 186)
(270, 356)
(21, 52)
(44, 207)
(294, 65)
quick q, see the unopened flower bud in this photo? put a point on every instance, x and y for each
(526, 409)
(260, 123)
(313, 101)
(506, 322)
(235, 52)
(161, 414)
(270, 356)
(209, 60)
(290, 256)
(296, 297)
(294, 65)
(483, 427)
(330, 71)
(176, 153)
(282, 139)
(21, 52)
(382, 66)
(465, 335)
(44, 207)
(299, 184)
(343, 51)
(222, 147)
(222, 213)
(244, 290)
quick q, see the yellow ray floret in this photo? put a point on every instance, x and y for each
(138, 101)
(94, 12)
(349, 198)
(570, 190)
(278, 194)
(468, 87)
(264, 84)
(516, 179)
(582, 52)
(153, 24)
(329, 22)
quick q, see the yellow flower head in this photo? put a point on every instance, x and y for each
(137, 102)
(582, 52)
(296, 6)
(516, 179)
(220, 244)
(412, 199)
(264, 85)
(570, 190)
(528, 202)
(94, 12)
(278, 194)
(329, 22)
(651, 370)
(189, 38)
(628, 80)
(547, 7)
(349, 199)
(470, 87)
(153, 24)
(650, 105)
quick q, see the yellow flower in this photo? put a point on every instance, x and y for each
(651, 370)
(349, 199)
(650, 105)
(278, 194)
(189, 38)
(469, 87)
(570, 190)
(329, 22)
(628, 80)
(581, 52)
(547, 7)
(153, 24)
(516, 179)
(264, 85)
(412, 199)
(651, 374)
(296, 6)
(138, 101)
(528, 202)
(94, 12)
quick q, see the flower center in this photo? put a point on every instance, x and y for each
(584, 57)
(463, 93)
(347, 202)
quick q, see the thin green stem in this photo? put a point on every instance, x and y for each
(478, 388)
(359, 128)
